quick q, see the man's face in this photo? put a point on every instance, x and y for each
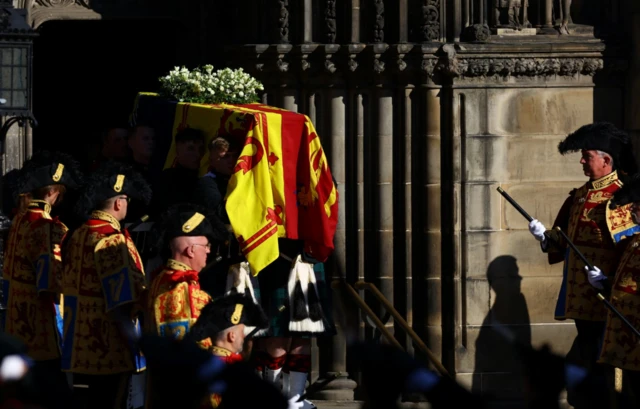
(223, 162)
(115, 144)
(142, 142)
(189, 154)
(635, 212)
(201, 248)
(594, 164)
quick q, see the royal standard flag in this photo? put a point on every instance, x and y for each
(282, 186)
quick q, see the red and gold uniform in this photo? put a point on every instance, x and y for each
(227, 357)
(32, 280)
(620, 347)
(595, 229)
(102, 272)
(175, 301)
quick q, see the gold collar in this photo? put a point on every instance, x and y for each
(177, 266)
(219, 351)
(100, 215)
(604, 181)
(41, 205)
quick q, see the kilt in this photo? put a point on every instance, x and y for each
(271, 292)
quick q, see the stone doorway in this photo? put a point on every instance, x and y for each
(87, 73)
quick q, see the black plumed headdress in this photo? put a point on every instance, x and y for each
(109, 180)
(226, 312)
(46, 168)
(186, 219)
(605, 137)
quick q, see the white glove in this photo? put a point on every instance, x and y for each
(537, 229)
(294, 404)
(595, 277)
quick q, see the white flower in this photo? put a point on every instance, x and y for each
(203, 83)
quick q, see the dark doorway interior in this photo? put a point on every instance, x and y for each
(87, 73)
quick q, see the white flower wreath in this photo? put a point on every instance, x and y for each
(204, 85)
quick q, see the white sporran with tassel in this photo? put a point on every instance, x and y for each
(306, 313)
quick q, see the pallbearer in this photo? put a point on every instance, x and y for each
(607, 157)
(103, 284)
(33, 268)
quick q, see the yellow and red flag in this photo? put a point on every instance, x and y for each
(282, 186)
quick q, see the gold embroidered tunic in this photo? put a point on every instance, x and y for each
(620, 347)
(175, 301)
(102, 272)
(32, 280)
(228, 358)
(595, 229)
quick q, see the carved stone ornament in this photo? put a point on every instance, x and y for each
(506, 67)
(378, 31)
(55, 3)
(283, 66)
(305, 64)
(283, 21)
(88, 4)
(477, 32)
(430, 20)
(428, 65)
(516, 13)
(329, 65)
(402, 64)
(330, 20)
(378, 66)
(352, 63)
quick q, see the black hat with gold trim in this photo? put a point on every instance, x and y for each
(604, 137)
(109, 180)
(186, 219)
(226, 312)
(46, 168)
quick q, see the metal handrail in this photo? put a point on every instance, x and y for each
(362, 285)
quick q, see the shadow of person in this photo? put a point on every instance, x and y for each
(498, 370)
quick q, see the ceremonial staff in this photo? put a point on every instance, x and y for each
(579, 254)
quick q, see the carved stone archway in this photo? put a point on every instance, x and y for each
(41, 11)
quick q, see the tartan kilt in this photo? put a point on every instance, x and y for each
(270, 287)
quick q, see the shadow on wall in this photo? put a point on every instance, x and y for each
(497, 368)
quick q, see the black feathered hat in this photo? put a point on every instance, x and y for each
(226, 312)
(186, 219)
(605, 137)
(46, 168)
(109, 180)
(628, 193)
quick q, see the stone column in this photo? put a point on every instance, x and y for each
(404, 230)
(380, 255)
(334, 140)
(307, 35)
(355, 21)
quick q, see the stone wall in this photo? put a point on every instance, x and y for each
(508, 137)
